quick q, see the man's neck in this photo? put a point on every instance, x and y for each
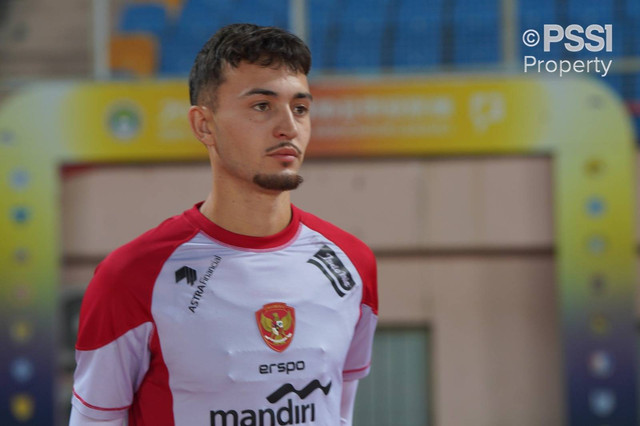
(254, 213)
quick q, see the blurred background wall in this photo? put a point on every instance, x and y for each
(469, 328)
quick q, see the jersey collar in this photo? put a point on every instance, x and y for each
(226, 237)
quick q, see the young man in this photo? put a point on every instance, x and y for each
(244, 310)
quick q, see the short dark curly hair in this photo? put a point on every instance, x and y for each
(232, 44)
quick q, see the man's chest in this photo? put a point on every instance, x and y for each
(230, 319)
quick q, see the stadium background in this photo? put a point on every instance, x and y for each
(470, 332)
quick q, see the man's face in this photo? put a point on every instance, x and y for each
(261, 125)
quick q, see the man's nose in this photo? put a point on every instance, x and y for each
(286, 126)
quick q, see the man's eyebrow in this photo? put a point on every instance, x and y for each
(271, 93)
(303, 95)
(258, 91)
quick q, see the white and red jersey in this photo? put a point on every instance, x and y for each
(191, 324)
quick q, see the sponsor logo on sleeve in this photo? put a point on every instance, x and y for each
(328, 262)
(276, 323)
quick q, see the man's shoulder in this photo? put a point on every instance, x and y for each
(358, 252)
(122, 287)
(348, 242)
(151, 248)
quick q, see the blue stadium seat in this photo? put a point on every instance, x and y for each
(473, 8)
(417, 42)
(634, 26)
(359, 44)
(201, 18)
(476, 32)
(632, 8)
(418, 33)
(477, 40)
(370, 9)
(323, 23)
(143, 17)
(625, 39)
(178, 50)
(428, 9)
(323, 11)
(533, 14)
(362, 28)
(627, 28)
(590, 12)
(261, 12)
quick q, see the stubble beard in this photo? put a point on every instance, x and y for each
(278, 182)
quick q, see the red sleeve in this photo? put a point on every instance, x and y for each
(117, 336)
(118, 298)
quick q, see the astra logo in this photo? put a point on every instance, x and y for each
(185, 272)
(289, 414)
(198, 294)
(328, 262)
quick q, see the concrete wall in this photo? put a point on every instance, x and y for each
(464, 245)
(45, 39)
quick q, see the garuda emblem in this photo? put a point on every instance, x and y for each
(276, 323)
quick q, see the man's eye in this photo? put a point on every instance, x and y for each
(263, 106)
(301, 109)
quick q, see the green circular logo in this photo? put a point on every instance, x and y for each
(124, 122)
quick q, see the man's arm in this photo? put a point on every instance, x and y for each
(78, 419)
(349, 389)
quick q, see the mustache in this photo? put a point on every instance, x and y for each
(284, 145)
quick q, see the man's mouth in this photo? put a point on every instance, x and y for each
(284, 152)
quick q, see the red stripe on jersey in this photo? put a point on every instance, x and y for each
(95, 407)
(359, 253)
(153, 392)
(357, 369)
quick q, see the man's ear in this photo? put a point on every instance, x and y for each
(201, 121)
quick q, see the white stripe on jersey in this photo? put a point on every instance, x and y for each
(131, 350)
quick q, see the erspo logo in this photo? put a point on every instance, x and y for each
(574, 38)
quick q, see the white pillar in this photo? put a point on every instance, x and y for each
(298, 22)
(101, 35)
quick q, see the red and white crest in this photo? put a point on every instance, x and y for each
(276, 323)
